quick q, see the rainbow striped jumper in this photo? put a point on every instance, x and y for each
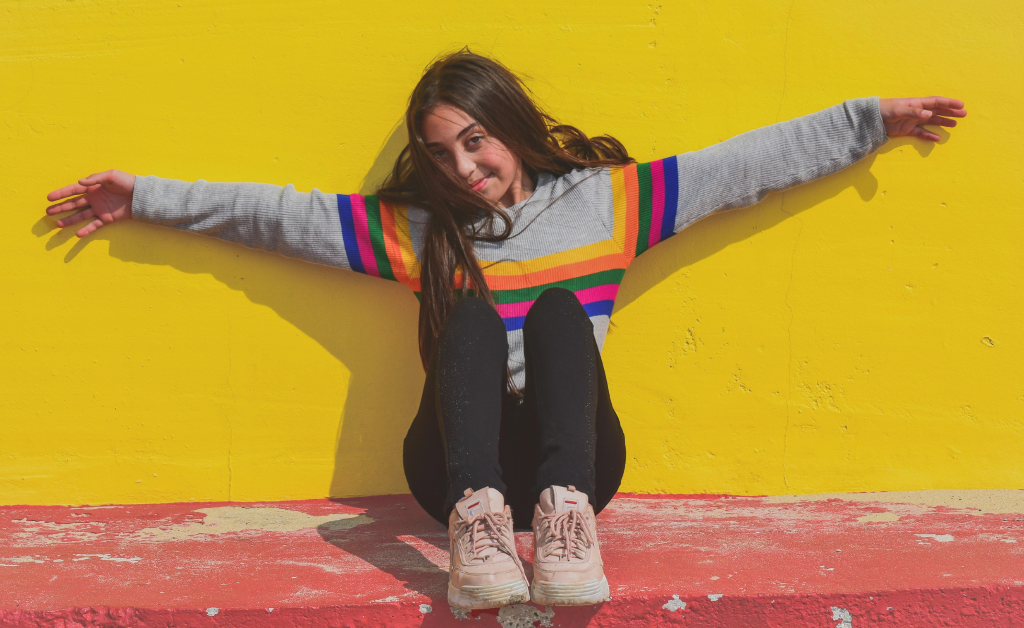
(579, 231)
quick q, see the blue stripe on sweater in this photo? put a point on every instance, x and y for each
(668, 222)
(597, 308)
(348, 233)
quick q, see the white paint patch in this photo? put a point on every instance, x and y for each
(844, 616)
(233, 519)
(523, 616)
(675, 604)
(941, 538)
(39, 533)
(108, 557)
(390, 598)
(461, 613)
(213, 610)
(426, 608)
(25, 559)
(714, 597)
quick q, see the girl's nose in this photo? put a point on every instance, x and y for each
(464, 166)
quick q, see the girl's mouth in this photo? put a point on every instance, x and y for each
(480, 183)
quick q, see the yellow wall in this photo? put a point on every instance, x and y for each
(860, 333)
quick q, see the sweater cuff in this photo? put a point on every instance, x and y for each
(868, 113)
(144, 198)
(159, 201)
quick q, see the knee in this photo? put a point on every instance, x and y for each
(472, 316)
(556, 304)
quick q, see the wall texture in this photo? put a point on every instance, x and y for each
(860, 333)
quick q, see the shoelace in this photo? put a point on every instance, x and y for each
(485, 533)
(568, 534)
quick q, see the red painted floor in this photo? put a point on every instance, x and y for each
(861, 560)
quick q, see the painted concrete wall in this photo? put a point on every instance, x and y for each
(861, 333)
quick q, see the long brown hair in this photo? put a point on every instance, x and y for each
(499, 101)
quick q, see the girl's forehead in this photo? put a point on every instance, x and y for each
(446, 119)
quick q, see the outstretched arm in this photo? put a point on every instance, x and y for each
(353, 232)
(675, 192)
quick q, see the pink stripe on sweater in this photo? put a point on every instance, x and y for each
(657, 201)
(589, 295)
(363, 235)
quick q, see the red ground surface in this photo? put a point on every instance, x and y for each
(678, 560)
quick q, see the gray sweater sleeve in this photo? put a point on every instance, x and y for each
(260, 215)
(743, 170)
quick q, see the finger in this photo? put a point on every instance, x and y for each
(904, 111)
(66, 206)
(66, 191)
(97, 178)
(924, 134)
(940, 121)
(933, 102)
(953, 113)
(89, 228)
(75, 218)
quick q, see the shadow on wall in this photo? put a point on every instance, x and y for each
(369, 324)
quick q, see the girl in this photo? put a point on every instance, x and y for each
(514, 232)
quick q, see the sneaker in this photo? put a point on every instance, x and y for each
(567, 566)
(485, 569)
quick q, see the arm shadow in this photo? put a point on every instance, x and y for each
(721, 229)
(367, 323)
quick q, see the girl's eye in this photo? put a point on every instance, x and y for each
(476, 139)
(439, 154)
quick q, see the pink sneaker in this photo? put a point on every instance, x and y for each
(567, 567)
(485, 570)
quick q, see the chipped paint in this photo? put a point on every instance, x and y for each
(234, 519)
(976, 501)
(437, 556)
(426, 608)
(108, 557)
(941, 538)
(213, 610)
(878, 517)
(845, 617)
(675, 604)
(524, 616)
(381, 572)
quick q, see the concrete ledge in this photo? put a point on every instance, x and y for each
(932, 558)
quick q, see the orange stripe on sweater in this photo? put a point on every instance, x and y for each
(539, 278)
(632, 211)
(391, 242)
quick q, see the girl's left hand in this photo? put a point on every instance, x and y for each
(907, 116)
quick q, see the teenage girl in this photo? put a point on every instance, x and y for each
(514, 232)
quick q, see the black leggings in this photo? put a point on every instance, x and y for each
(471, 433)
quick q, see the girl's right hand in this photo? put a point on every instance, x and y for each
(106, 198)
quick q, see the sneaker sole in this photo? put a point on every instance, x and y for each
(488, 596)
(570, 594)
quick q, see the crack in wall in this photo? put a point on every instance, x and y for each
(231, 427)
(785, 61)
(789, 340)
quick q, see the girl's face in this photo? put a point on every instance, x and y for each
(482, 161)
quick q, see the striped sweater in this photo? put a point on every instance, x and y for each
(579, 231)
